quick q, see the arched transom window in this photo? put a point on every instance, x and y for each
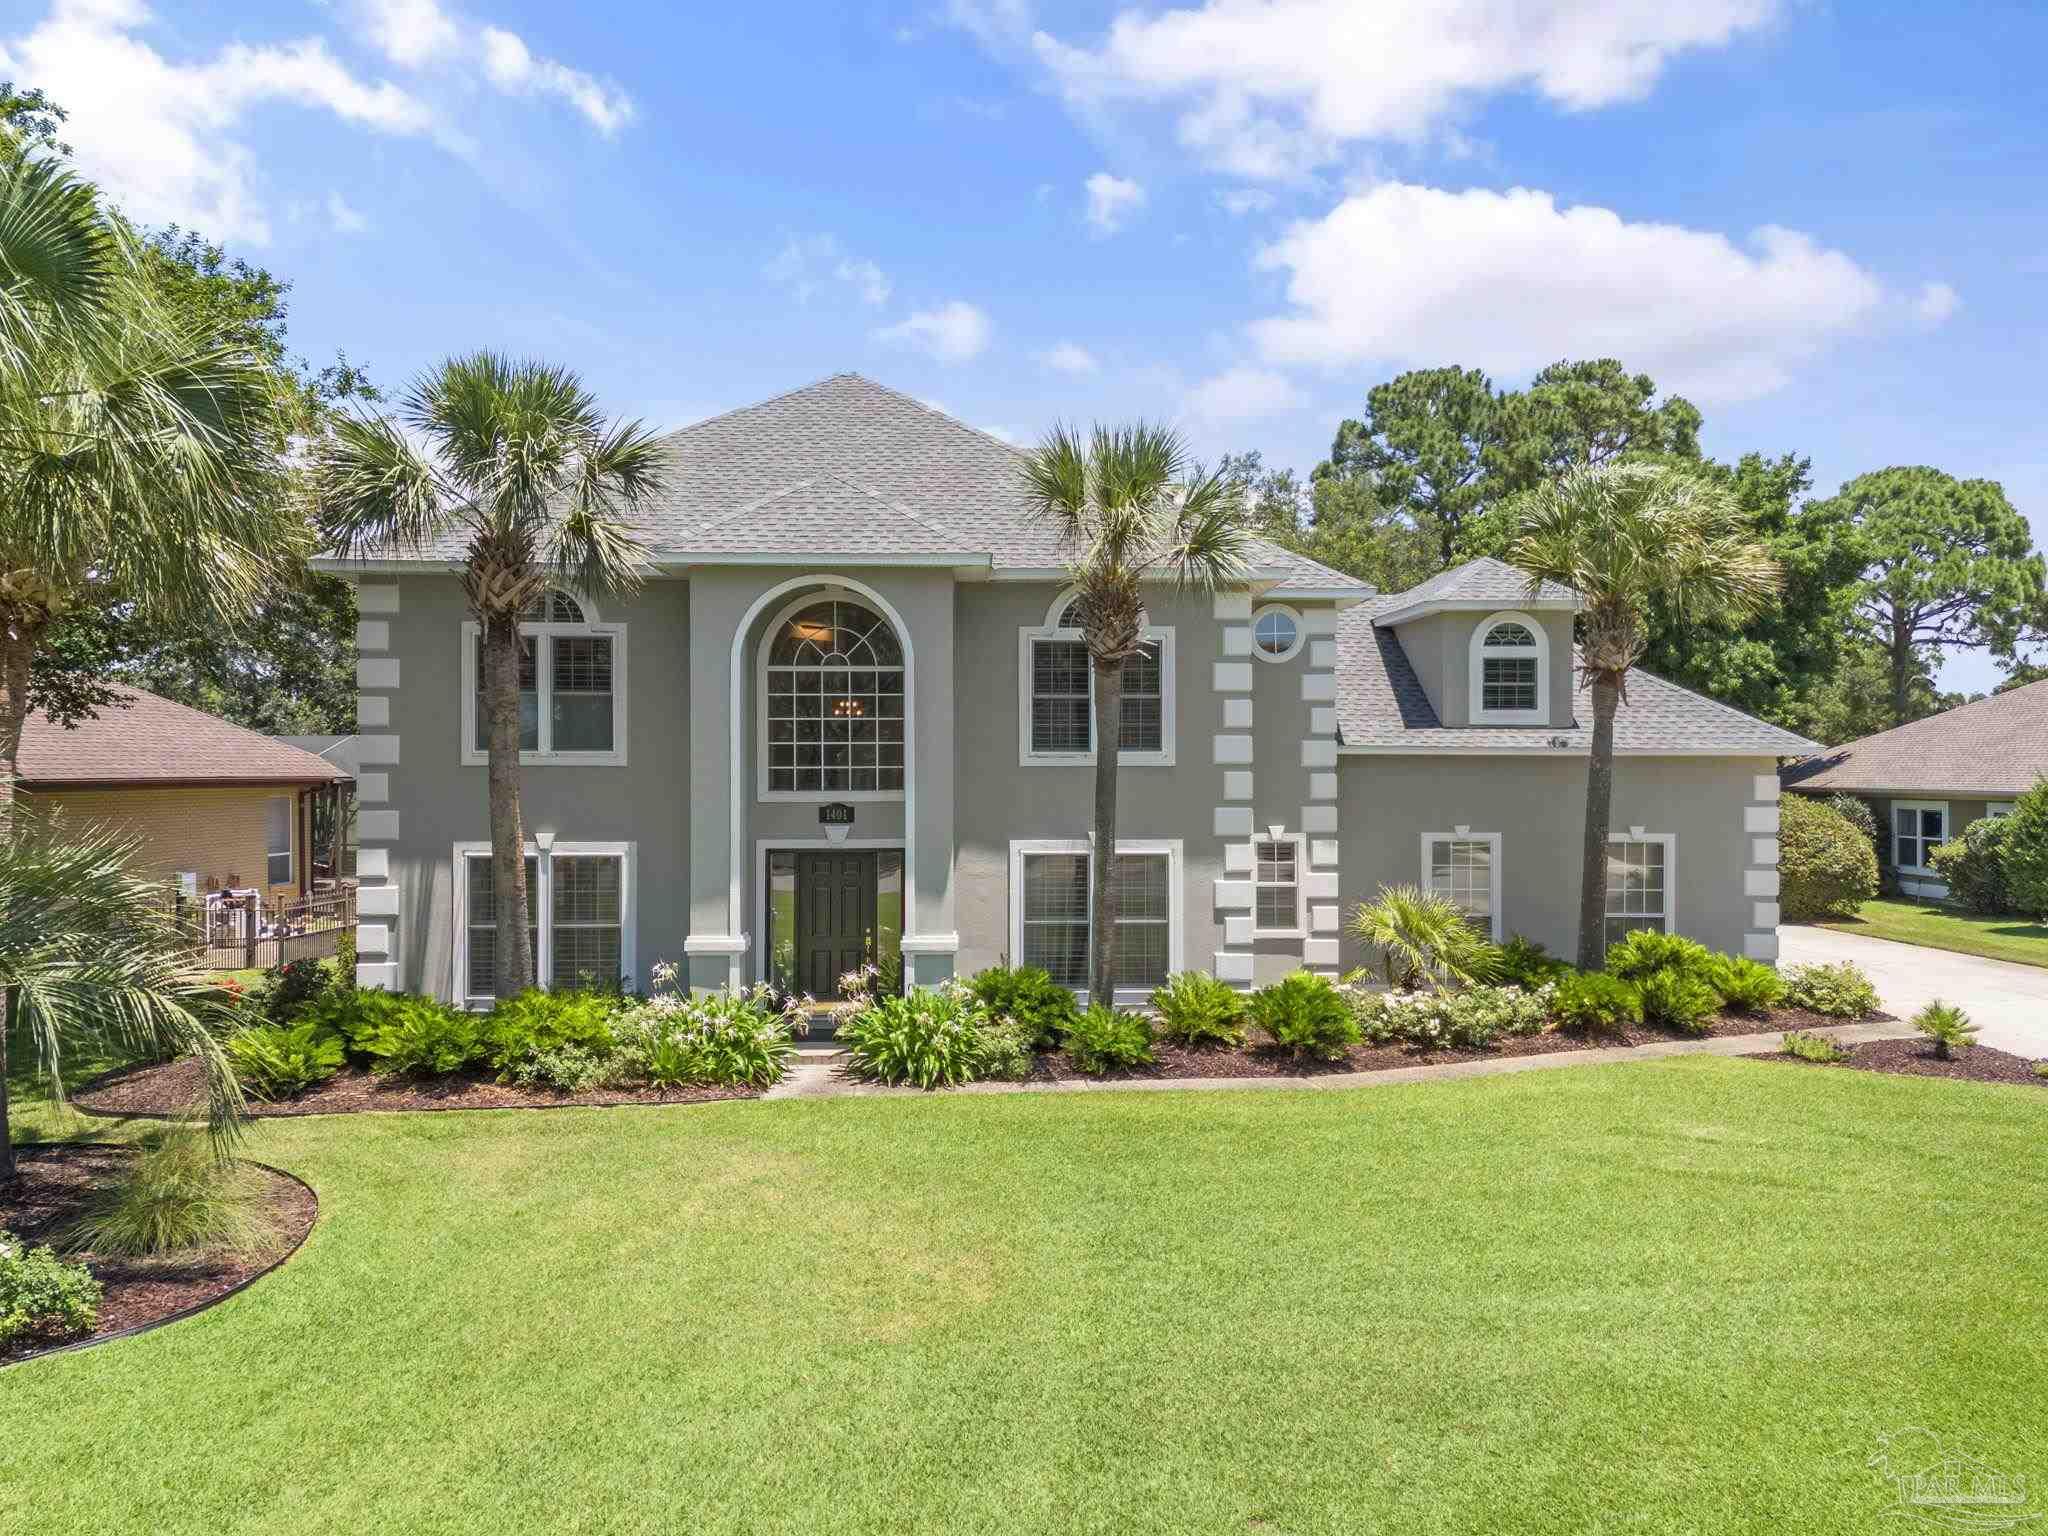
(832, 708)
(1510, 671)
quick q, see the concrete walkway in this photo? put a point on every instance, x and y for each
(817, 1072)
(2007, 1002)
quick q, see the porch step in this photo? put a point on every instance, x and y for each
(816, 1052)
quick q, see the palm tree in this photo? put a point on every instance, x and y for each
(1424, 939)
(90, 959)
(525, 475)
(140, 450)
(1626, 536)
(1130, 509)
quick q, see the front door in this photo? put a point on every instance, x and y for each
(835, 918)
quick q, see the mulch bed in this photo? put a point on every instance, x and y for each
(175, 1086)
(1916, 1058)
(1266, 1061)
(49, 1196)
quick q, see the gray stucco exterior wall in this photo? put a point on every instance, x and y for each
(1439, 648)
(1721, 811)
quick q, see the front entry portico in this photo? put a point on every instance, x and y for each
(828, 911)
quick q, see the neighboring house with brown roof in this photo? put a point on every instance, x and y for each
(1928, 780)
(849, 714)
(228, 805)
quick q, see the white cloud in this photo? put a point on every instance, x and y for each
(411, 32)
(953, 333)
(1111, 200)
(806, 262)
(346, 220)
(1068, 357)
(158, 135)
(1243, 394)
(1270, 88)
(514, 68)
(1937, 301)
(1239, 201)
(1508, 281)
(1014, 436)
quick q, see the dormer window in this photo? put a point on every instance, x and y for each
(1510, 683)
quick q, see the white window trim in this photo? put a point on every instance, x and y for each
(291, 841)
(1670, 842)
(616, 758)
(1916, 806)
(1162, 635)
(821, 796)
(1300, 632)
(1476, 684)
(1455, 836)
(1299, 930)
(544, 899)
(1176, 923)
(1996, 808)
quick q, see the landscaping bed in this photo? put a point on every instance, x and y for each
(54, 1186)
(1917, 1058)
(1263, 1060)
(173, 1087)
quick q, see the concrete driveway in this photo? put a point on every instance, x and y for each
(2008, 1002)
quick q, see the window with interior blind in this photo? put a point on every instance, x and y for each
(1465, 868)
(572, 698)
(1276, 886)
(1510, 667)
(277, 827)
(579, 901)
(1639, 885)
(1059, 689)
(1051, 896)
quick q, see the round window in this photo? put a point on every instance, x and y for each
(1276, 632)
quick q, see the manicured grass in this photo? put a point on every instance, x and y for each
(1672, 1297)
(1939, 927)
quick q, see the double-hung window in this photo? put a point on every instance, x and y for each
(1918, 827)
(579, 917)
(572, 686)
(1276, 887)
(1057, 687)
(1050, 903)
(1640, 883)
(1464, 867)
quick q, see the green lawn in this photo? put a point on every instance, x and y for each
(1939, 927)
(1665, 1297)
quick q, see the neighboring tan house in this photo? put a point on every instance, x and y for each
(230, 806)
(848, 710)
(1927, 781)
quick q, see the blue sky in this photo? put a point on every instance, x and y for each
(1822, 223)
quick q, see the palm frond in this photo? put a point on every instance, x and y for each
(373, 488)
(57, 260)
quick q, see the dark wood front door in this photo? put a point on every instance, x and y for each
(835, 918)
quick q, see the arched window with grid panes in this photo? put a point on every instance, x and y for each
(832, 702)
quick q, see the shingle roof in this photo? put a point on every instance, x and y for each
(1485, 580)
(143, 739)
(849, 466)
(1996, 747)
(1381, 703)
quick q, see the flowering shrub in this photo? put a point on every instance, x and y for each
(737, 1038)
(1468, 1020)
(931, 1037)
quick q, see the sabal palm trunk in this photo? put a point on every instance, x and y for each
(1109, 709)
(1599, 815)
(17, 651)
(513, 948)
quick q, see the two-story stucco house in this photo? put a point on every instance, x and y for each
(847, 714)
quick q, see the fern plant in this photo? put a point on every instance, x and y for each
(1679, 1000)
(1747, 985)
(1104, 1040)
(1195, 1008)
(282, 1063)
(1306, 1015)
